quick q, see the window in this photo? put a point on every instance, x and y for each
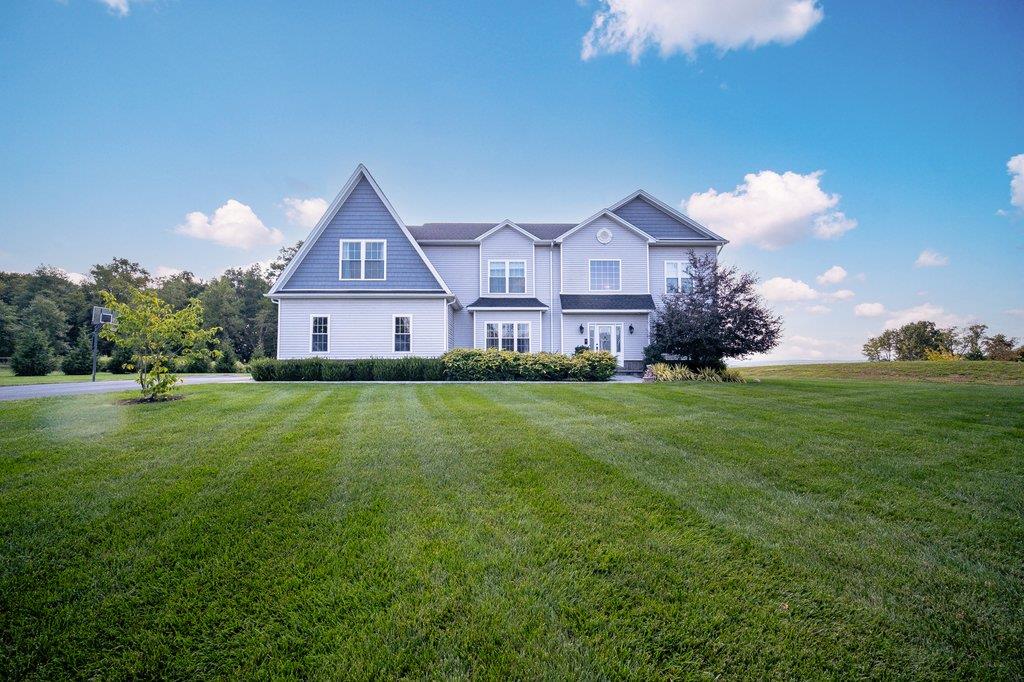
(403, 333)
(677, 278)
(506, 277)
(513, 336)
(363, 259)
(319, 325)
(604, 275)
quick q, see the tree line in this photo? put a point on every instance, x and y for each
(924, 340)
(48, 317)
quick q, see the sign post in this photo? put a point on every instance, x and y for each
(100, 317)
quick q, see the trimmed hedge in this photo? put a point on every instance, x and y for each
(455, 365)
(373, 369)
(467, 364)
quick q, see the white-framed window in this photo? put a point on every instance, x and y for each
(506, 277)
(403, 333)
(319, 333)
(677, 277)
(605, 275)
(513, 336)
(363, 259)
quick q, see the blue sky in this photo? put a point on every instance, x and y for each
(765, 119)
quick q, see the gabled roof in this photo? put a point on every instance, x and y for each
(687, 229)
(471, 231)
(503, 224)
(605, 213)
(360, 173)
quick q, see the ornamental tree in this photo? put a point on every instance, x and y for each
(718, 316)
(156, 334)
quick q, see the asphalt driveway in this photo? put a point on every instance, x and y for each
(79, 388)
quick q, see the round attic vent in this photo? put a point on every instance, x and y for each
(604, 235)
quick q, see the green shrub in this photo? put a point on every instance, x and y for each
(32, 355)
(663, 371)
(120, 358)
(466, 364)
(195, 364)
(79, 358)
(319, 369)
(225, 362)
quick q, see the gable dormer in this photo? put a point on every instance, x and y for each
(507, 261)
(360, 245)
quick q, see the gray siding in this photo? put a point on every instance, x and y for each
(655, 222)
(361, 327)
(626, 245)
(362, 216)
(533, 317)
(507, 244)
(633, 344)
(459, 266)
(660, 254)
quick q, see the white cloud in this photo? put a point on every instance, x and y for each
(166, 271)
(671, 26)
(779, 289)
(869, 310)
(75, 277)
(834, 275)
(841, 295)
(304, 212)
(930, 259)
(233, 224)
(771, 210)
(118, 7)
(925, 311)
(818, 309)
(1015, 166)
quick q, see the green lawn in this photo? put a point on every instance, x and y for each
(7, 378)
(961, 371)
(785, 529)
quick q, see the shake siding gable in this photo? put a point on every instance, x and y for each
(654, 221)
(362, 216)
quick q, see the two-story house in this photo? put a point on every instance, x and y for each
(365, 284)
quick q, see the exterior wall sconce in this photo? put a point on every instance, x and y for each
(581, 330)
(630, 329)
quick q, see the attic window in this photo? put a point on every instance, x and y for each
(363, 259)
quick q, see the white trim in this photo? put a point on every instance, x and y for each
(590, 279)
(516, 308)
(354, 293)
(507, 261)
(332, 211)
(474, 328)
(515, 334)
(444, 311)
(596, 311)
(394, 334)
(318, 353)
(682, 217)
(604, 213)
(277, 351)
(591, 332)
(506, 223)
(362, 259)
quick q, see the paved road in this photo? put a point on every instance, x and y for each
(82, 387)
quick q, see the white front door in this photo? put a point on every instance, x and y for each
(608, 337)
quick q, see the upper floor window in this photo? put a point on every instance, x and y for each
(506, 277)
(363, 258)
(403, 333)
(677, 277)
(319, 326)
(604, 275)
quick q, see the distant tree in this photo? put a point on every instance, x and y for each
(32, 355)
(284, 256)
(8, 329)
(236, 303)
(720, 316)
(79, 358)
(225, 364)
(970, 342)
(46, 317)
(1000, 347)
(915, 339)
(157, 334)
(120, 277)
(882, 347)
(179, 289)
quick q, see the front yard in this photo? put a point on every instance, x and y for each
(792, 528)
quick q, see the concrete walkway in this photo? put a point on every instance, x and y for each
(84, 387)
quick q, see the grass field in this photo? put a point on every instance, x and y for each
(7, 378)
(788, 528)
(961, 371)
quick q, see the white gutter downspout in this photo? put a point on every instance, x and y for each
(551, 296)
